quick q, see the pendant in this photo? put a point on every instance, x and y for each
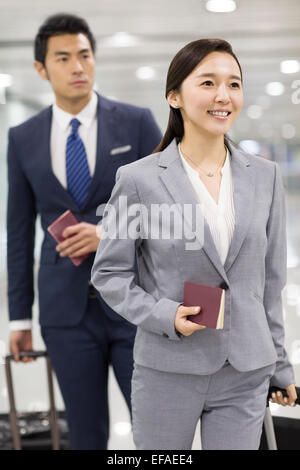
(210, 174)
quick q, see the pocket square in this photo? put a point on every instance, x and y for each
(123, 149)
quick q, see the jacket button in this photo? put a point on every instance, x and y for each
(224, 286)
(165, 335)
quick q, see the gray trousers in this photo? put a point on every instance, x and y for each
(166, 408)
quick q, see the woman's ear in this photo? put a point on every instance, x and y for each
(173, 99)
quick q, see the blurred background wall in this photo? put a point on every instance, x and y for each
(136, 41)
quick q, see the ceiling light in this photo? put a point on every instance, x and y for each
(221, 6)
(145, 73)
(254, 111)
(289, 66)
(120, 39)
(274, 88)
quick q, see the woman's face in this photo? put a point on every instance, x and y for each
(213, 87)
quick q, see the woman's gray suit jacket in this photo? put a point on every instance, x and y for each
(253, 275)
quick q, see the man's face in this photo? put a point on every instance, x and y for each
(69, 66)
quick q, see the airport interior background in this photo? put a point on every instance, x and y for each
(136, 41)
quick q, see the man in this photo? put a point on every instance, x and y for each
(64, 158)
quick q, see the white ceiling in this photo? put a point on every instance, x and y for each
(262, 33)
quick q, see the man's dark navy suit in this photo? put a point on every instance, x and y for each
(82, 334)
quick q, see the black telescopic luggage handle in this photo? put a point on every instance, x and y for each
(13, 413)
(284, 393)
(35, 354)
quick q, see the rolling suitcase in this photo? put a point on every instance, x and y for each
(52, 415)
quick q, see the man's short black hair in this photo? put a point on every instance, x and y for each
(56, 25)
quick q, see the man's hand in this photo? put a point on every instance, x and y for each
(81, 239)
(21, 341)
(284, 401)
(182, 324)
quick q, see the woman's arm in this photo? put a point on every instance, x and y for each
(276, 268)
(113, 272)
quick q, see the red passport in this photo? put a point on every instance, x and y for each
(210, 299)
(57, 228)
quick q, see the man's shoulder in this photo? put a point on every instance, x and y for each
(122, 107)
(32, 123)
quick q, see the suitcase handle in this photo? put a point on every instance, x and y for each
(35, 354)
(13, 414)
(284, 393)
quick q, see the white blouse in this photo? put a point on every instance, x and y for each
(220, 217)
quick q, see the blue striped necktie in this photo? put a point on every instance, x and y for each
(78, 173)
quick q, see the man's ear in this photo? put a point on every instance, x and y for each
(41, 70)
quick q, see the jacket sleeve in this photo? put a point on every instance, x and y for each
(21, 217)
(150, 134)
(276, 273)
(113, 273)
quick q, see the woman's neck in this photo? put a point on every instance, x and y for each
(203, 150)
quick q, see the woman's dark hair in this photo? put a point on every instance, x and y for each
(181, 66)
(56, 25)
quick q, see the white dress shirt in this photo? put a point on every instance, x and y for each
(220, 217)
(60, 130)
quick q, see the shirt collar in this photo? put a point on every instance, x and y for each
(86, 115)
(191, 171)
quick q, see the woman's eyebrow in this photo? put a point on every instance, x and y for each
(236, 77)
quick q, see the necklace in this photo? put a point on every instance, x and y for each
(210, 173)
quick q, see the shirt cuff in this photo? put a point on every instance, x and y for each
(17, 325)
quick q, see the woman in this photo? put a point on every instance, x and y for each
(184, 371)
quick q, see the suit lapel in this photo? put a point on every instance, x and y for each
(178, 185)
(243, 195)
(106, 136)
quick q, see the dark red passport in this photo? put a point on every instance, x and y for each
(210, 299)
(57, 228)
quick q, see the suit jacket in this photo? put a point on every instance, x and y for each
(253, 275)
(34, 189)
